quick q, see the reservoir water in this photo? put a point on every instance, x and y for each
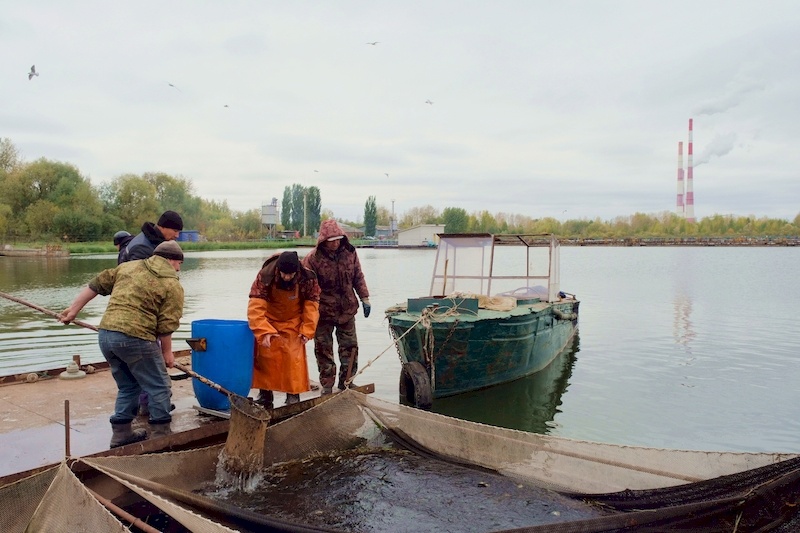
(678, 347)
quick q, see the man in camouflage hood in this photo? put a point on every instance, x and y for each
(342, 284)
(135, 335)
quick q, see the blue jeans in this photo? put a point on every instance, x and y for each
(136, 365)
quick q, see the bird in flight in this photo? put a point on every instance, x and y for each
(33, 72)
(386, 174)
(168, 83)
(226, 105)
(373, 43)
(428, 102)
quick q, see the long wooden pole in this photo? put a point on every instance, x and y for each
(46, 311)
(81, 323)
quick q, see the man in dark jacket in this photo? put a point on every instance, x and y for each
(342, 283)
(142, 246)
(167, 228)
(121, 240)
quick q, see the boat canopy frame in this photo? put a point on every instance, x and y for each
(484, 264)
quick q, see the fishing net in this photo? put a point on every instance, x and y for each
(357, 463)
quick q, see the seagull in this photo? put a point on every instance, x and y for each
(168, 83)
(226, 105)
(386, 174)
(428, 102)
(374, 43)
(316, 170)
(33, 72)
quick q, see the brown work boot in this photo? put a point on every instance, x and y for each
(123, 434)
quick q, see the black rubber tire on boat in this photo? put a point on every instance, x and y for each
(415, 385)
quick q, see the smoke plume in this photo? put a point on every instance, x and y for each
(721, 145)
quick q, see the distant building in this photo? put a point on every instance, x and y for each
(381, 232)
(422, 235)
(351, 232)
(189, 235)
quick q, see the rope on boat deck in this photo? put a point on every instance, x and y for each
(429, 314)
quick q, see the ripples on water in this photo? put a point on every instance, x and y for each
(678, 347)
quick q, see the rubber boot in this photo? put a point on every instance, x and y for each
(265, 398)
(326, 390)
(123, 434)
(292, 398)
(159, 430)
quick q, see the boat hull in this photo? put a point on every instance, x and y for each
(466, 351)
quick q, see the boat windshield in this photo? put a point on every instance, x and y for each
(523, 266)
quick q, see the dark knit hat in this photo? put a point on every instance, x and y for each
(171, 220)
(169, 250)
(120, 236)
(288, 263)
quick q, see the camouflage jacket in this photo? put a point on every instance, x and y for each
(340, 278)
(146, 298)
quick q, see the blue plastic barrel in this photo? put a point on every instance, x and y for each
(227, 361)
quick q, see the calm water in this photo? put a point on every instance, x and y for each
(678, 347)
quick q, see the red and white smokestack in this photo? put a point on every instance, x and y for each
(679, 205)
(690, 180)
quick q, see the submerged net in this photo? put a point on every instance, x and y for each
(357, 463)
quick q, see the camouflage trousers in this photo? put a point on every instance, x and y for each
(348, 351)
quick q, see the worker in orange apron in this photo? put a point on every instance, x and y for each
(283, 312)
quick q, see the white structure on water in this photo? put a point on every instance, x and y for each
(422, 235)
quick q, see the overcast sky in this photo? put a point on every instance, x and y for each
(541, 108)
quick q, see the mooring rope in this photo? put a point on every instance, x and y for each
(428, 315)
(393, 344)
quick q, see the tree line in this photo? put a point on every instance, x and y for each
(664, 224)
(48, 200)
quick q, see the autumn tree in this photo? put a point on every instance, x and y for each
(313, 209)
(370, 216)
(455, 220)
(134, 199)
(301, 208)
(426, 214)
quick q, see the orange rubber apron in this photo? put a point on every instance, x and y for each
(283, 366)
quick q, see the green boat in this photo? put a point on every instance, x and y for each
(494, 313)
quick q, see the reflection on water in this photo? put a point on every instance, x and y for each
(682, 327)
(526, 404)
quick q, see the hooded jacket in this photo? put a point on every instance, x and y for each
(146, 298)
(123, 249)
(339, 275)
(144, 244)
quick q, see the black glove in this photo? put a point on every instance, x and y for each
(367, 307)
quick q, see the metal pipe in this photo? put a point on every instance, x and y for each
(122, 513)
(66, 429)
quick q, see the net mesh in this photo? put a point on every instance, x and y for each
(621, 488)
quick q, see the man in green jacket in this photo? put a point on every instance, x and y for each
(135, 335)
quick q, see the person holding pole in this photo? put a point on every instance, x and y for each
(135, 335)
